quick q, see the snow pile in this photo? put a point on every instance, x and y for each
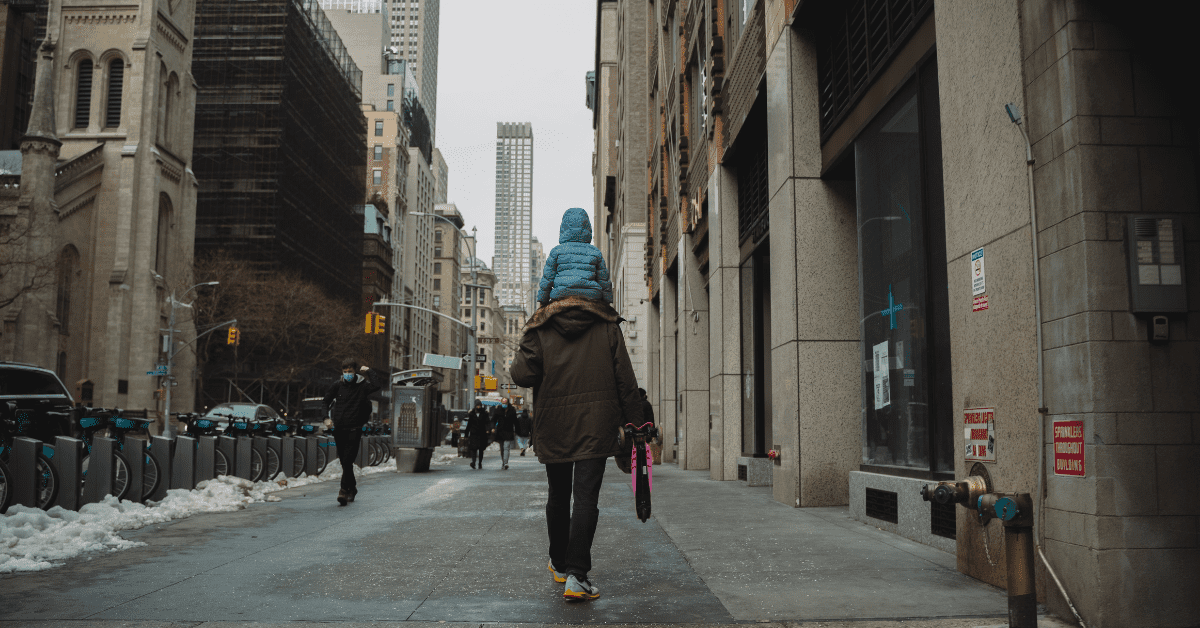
(30, 539)
(445, 459)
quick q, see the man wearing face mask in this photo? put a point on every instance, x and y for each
(350, 404)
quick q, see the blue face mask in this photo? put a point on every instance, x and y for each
(348, 377)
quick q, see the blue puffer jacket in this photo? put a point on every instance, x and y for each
(575, 267)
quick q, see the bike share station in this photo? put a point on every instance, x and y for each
(415, 426)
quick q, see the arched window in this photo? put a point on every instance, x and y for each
(163, 87)
(164, 229)
(83, 94)
(116, 81)
(68, 265)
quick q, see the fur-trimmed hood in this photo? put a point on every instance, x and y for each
(570, 312)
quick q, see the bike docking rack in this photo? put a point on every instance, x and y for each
(72, 472)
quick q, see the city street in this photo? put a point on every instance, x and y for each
(458, 545)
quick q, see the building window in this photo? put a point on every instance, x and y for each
(160, 243)
(437, 284)
(437, 302)
(116, 78)
(391, 90)
(437, 235)
(391, 105)
(68, 265)
(905, 328)
(378, 152)
(437, 268)
(83, 94)
(379, 128)
(376, 176)
(437, 251)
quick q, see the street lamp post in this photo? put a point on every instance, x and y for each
(471, 349)
(168, 427)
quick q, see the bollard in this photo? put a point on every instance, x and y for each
(206, 458)
(242, 466)
(137, 467)
(68, 461)
(23, 466)
(310, 455)
(287, 446)
(364, 445)
(259, 444)
(228, 446)
(163, 448)
(183, 465)
(100, 470)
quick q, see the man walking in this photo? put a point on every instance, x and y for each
(573, 354)
(504, 429)
(524, 425)
(478, 427)
(350, 401)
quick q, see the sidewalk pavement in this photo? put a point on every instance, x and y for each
(469, 548)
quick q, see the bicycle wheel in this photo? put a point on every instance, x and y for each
(322, 460)
(151, 475)
(297, 461)
(120, 487)
(220, 463)
(3, 487)
(273, 466)
(372, 455)
(256, 465)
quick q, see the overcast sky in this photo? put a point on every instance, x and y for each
(516, 61)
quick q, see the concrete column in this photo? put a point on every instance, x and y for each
(692, 337)
(669, 404)
(816, 389)
(725, 324)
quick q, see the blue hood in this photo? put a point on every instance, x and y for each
(576, 227)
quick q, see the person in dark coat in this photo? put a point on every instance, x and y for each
(573, 355)
(524, 427)
(349, 404)
(504, 426)
(478, 429)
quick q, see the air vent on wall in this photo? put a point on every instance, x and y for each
(882, 505)
(941, 520)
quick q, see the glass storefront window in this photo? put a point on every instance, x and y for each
(892, 282)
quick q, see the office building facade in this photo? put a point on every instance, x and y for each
(514, 212)
(415, 25)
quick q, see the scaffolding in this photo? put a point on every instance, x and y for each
(280, 141)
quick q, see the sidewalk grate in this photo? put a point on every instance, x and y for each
(882, 505)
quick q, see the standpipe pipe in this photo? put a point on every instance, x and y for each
(1040, 497)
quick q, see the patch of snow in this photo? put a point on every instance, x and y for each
(33, 540)
(445, 459)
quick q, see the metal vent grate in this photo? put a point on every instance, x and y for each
(942, 520)
(116, 79)
(882, 505)
(83, 94)
(752, 188)
(742, 472)
(857, 41)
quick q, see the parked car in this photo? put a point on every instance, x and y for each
(36, 391)
(223, 413)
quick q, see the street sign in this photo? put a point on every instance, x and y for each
(442, 361)
(488, 340)
(509, 386)
(158, 372)
(481, 357)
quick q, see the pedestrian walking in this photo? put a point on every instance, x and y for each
(349, 404)
(504, 429)
(524, 426)
(478, 428)
(647, 408)
(575, 267)
(573, 352)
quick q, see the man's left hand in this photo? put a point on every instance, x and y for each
(364, 368)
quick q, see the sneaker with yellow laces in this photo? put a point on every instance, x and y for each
(558, 575)
(579, 589)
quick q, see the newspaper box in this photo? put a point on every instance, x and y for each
(415, 426)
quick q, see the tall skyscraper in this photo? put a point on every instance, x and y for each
(415, 39)
(514, 211)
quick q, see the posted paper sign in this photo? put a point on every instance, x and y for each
(1068, 448)
(979, 434)
(977, 284)
(882, 368)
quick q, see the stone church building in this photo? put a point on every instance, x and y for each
(98, 216)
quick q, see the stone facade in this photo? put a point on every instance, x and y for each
(108, 174)
(775, 188)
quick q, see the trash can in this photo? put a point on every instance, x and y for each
(415, 425)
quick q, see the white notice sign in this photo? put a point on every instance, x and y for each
(977, 286)
(881, 366)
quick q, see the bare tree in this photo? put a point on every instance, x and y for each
(21, 269)
(289, 327)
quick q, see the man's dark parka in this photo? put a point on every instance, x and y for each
(504, 422)
(351, 400)
(573, 355)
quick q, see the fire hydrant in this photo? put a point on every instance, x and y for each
(1015, 512)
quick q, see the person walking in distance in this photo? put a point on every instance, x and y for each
(350, 405)
(573, 353)
(524, 425)
(478, 427)
(504, 429)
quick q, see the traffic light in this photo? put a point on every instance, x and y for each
(374, 323)
(370, 326)
(235, 336)
(379, 327)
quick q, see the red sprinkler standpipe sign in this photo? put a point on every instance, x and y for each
(1068, 448)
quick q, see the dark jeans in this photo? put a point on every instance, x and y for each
(571, 533)
(477, 457)
(347, 440)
